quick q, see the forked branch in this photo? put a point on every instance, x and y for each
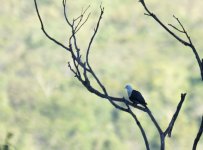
(182, 30)
(168, 131)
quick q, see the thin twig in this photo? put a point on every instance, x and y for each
(81, 17)
(94, 34)
(65, 13)
(74, 72)
(79, 27)
(176, 28)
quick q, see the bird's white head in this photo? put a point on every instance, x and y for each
(129, 89)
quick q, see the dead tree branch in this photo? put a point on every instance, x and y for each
(43, 29)
(198, 135)
(140, 126)
(163, 134)
(171, 124)
(188, 43)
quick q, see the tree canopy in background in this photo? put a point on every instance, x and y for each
(45, 108)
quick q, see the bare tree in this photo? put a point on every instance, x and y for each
(82, 69)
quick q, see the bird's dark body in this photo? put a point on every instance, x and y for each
(137, 98)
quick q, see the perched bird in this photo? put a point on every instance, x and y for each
(135, 96)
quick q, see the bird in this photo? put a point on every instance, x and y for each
(135, 96)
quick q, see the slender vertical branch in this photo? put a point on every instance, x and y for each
(171, 124)
(198, 136)
(93, 36)
(162, 138)
(65, 13)
(140, 127)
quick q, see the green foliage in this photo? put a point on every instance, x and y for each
(6, 145)
(46, 108)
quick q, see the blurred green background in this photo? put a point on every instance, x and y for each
(45, 107)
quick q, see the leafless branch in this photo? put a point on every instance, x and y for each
(171, 124)
(43, 29)
(74, 72)
(78, 27)
(176, 28)
(65, 12)
(154, 120)
(93, 36)
(198, 136)
(140, 126)
(81, 18)
(186, 43)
